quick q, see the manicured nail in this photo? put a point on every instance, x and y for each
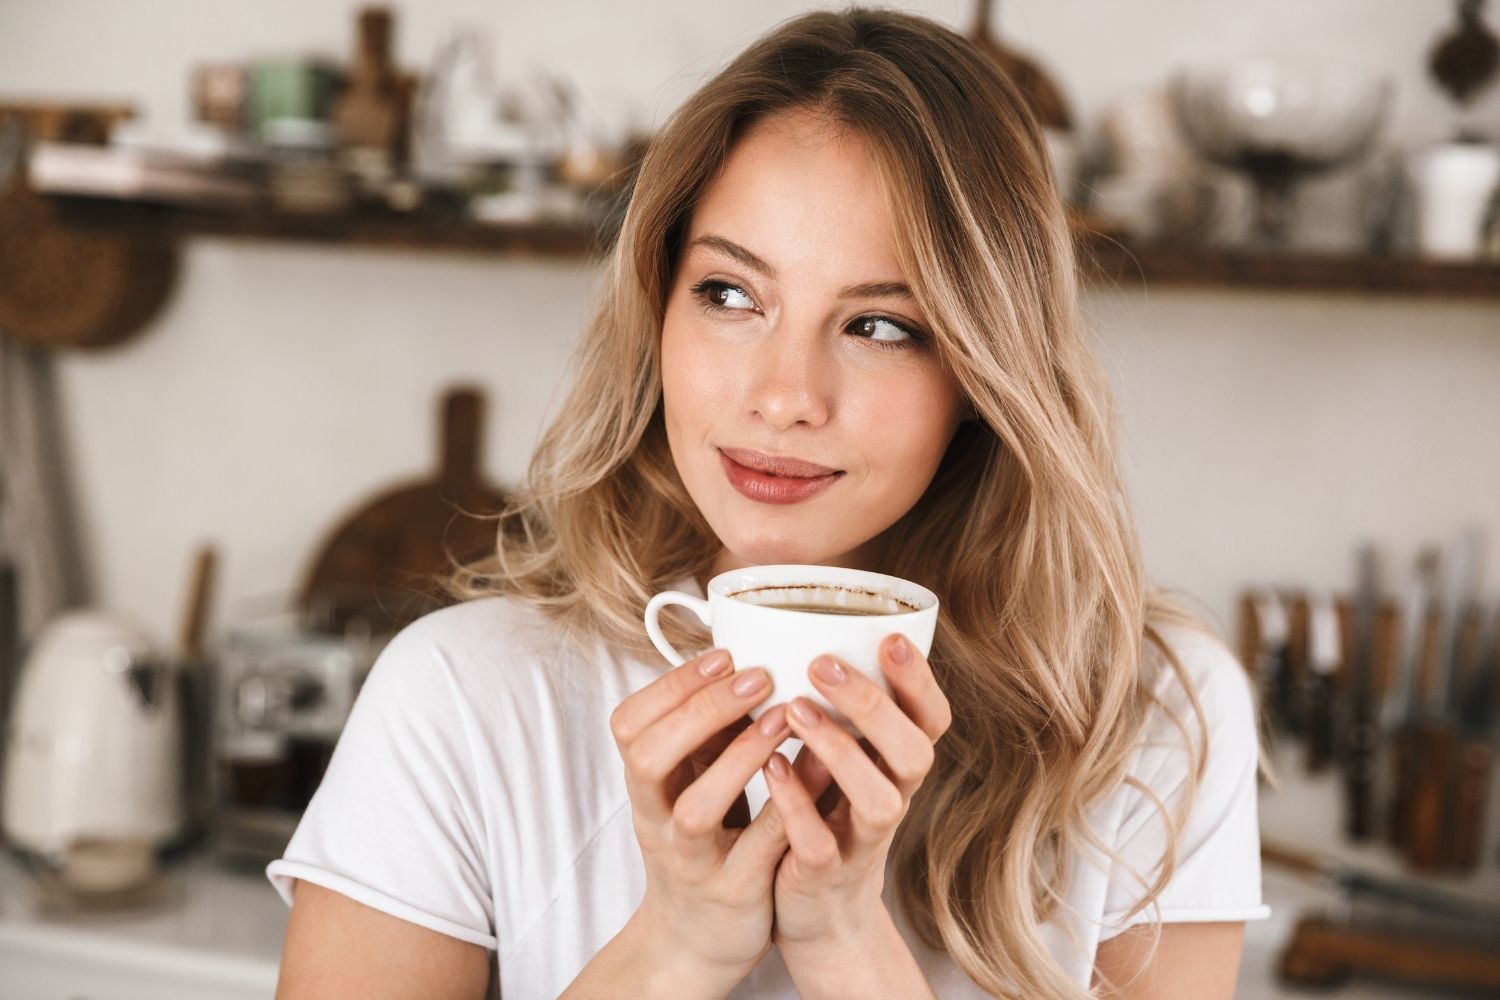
(749, 682)
(777, 766)
(774, 721)
(900, 649)
(714, 663)
(827, 670)
(805, 712)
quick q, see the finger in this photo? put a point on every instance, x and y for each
(653, 761)
(815, 777)
(763, 842)
(699, 812)
(876, 805)
(808, 836)
(715, 744)
(904, 748)
(643, 708)
(914, 687)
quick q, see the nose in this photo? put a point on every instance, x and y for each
(792, 380)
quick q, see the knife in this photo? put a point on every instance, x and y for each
(1459, 596)
(1400, 712)
(1359, 730)
(1472, 783)
(1356, 882)
(1323, 655)
(1438, 751)
(1478, 713)
(1278, 693)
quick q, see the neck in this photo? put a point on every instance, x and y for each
(866, 557)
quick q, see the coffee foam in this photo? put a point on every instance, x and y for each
(832, 596)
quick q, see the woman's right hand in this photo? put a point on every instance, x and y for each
(708, 897)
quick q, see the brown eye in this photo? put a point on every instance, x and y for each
(722, 295)
(880, 329)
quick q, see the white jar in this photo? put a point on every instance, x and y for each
(1453, 183)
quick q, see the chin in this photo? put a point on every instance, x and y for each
(776, 547)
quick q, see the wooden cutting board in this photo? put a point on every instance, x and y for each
(384, 561)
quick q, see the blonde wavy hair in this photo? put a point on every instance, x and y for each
(1024, 532)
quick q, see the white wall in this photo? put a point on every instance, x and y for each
(1264, 433)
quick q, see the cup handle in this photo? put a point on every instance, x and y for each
(696, 605)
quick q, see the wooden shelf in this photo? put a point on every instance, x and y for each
(1107, 261)
(1155, 266)
(366, 228)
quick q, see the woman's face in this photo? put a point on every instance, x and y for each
(806, 404)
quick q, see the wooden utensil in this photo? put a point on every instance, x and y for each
(195, 695)
(1465, 61)
(1035, 84)
(1323, 953)
(384, 562)
(1418, 932)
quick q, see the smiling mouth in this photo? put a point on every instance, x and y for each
(775, 480)
(777, 465)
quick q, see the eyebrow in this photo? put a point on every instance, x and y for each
(867, 290)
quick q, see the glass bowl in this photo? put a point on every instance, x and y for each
(1277, 122)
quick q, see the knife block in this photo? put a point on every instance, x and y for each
(1429, 798)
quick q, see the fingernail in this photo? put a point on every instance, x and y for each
(714, 663)
(827, 670)
(773, 721)
(777, 766)
(900, 649)
(805, 712)
(750, 682)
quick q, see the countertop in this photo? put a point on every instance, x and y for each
(217, 933)
(211, 934)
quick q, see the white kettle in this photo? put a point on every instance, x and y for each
(93, 779)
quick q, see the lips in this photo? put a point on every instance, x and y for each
(775, 479)
(776, 465)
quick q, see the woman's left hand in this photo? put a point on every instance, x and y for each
(828, 885)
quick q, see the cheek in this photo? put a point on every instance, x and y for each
(906, 425)
(693, 379)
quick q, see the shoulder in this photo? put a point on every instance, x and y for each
(504, 626)
(1198, 745)
(481, 639)
(1206, 689)
(497, 658)
(1188, 805)
(443, 650)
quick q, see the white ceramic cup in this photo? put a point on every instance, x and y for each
(785, 642)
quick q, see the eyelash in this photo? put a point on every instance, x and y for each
(701, 289)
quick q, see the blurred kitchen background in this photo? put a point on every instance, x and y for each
(285, 285)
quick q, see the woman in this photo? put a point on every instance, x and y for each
(839, 327)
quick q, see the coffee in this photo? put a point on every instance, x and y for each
(825, 599)
(819, 609)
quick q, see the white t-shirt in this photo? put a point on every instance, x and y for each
(477, 791)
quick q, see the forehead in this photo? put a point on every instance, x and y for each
(805, 194)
